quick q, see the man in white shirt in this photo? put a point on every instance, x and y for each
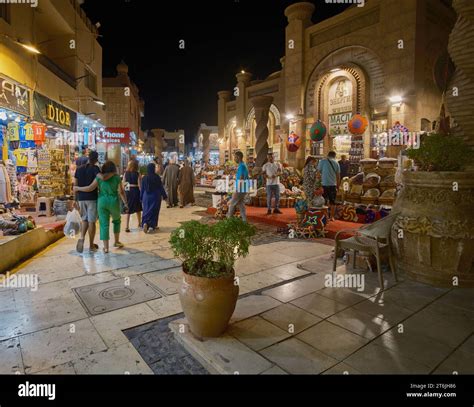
(272, 171)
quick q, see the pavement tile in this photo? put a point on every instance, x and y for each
(257, 333)
(296, 357)
(332, 340)
(291, 318)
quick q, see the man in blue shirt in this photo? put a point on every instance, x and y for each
(241, 187)
(331, 178)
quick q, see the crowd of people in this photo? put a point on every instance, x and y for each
(326, 173)
(101, 194)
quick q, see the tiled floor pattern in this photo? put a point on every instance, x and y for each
(301, 327)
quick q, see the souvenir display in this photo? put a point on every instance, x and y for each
(318, 131)
(293, 142)
(358, 124)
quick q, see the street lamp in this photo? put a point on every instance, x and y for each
(23, 44)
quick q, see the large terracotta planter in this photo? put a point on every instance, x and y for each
(208, 303)
(437, 223)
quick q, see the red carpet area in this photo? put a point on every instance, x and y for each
(256, 214)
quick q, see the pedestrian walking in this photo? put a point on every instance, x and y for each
(241, 187)
(86, 202)
(272, 171)
(186, 185)
(344, 166)
(108, 203)
(331, 178)
(170, 181)
(132, 191)
(152, 192)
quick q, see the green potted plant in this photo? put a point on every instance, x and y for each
(433, 235)
(209, 290)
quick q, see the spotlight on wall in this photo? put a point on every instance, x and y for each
(290, 116)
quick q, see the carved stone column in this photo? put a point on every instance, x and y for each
(206, 145)
(461, 49)
(262, 107)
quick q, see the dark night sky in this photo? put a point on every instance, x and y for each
(221, 38)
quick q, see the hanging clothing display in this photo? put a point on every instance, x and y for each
(5, 186)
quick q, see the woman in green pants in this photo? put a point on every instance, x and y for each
(108, 203)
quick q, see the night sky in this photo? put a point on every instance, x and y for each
(221, 38)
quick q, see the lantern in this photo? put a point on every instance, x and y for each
(318, 131)
(293, 142)
(358, 124)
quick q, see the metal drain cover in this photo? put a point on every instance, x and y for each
(116, 294)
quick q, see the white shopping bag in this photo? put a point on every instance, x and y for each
(72, 228)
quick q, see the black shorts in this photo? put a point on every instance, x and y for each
(330, 194)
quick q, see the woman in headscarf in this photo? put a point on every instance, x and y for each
(186, 185)
(151, 194)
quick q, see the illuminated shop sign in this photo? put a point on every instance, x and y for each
(14, 97)
(114, 135)
(52, 113)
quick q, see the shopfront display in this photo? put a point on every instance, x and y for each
(115, 142)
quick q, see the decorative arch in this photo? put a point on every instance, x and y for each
(274, 124)
(231, 125)
(364, 66)
(273, 109)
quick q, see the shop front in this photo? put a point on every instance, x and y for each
(18, 162)
(56, 155)
(117, 145)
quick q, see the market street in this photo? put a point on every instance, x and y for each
(52, 331)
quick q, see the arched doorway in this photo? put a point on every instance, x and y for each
(348, 81)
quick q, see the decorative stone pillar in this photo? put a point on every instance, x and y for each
(243, 82)
(299, 19)
(224, 97)
(206, 145)
(460, 47)
(261, 105)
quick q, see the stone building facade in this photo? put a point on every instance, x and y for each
(124, 109)
(375, 60)
(68, 67)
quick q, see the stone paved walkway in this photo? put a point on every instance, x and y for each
(281, 284)
(304, 327)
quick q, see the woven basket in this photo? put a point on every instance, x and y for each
(387, 201)
(353, 198)
(262, 201)
(283, 202)
(368, 200)
(385, 172)
(291, 202)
